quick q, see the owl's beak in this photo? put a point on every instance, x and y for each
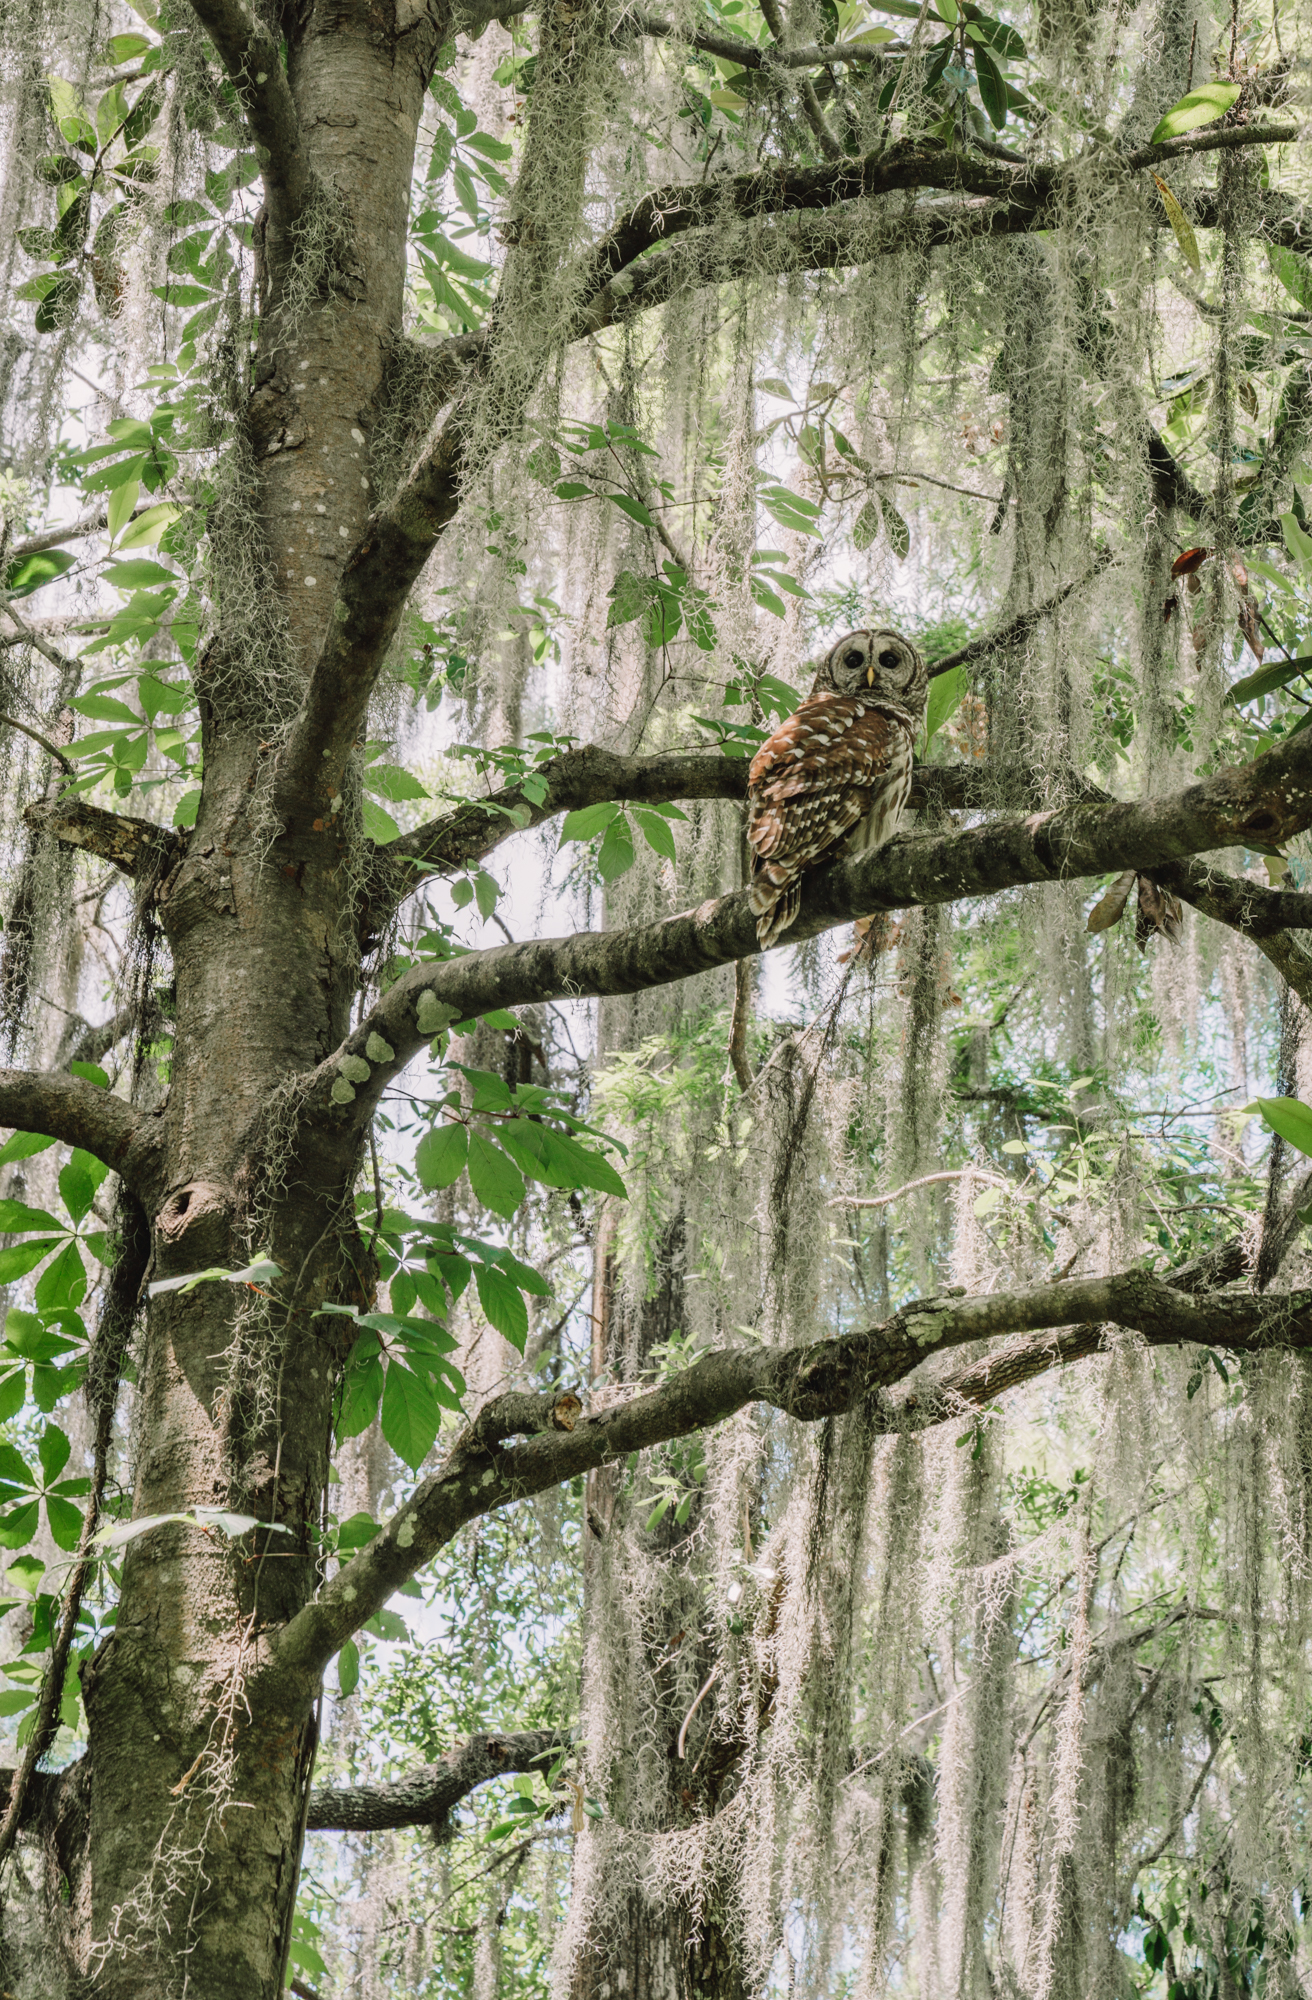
(870, 676)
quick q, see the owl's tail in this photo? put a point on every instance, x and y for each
(775, 910)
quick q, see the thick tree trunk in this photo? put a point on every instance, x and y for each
(200, 1763)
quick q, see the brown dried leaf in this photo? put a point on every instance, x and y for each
(1169, 608)
(1249, 626)
(1110, 908)
(1186, 564)
(1200, 635)
(1193, 583)
(1240, 575)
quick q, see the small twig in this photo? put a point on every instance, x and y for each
(705, 1689)
(44, 741)
(1019, 628)
(926, 1180)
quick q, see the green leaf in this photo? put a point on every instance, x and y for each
(628, 595)
(411, 1416)
(440, 1156)
(26, 1334)
(54, 1452)
(22, 1146)
(185, 811)
(391, 782)
(33, 571)
(865, 528)
(65, 1522)
(946, 694)
(1267, 679)
(13, 1393)
(18, 1526)
(104, 708)
(90, 1073)
(1288, 1116)
(1294, 273)
(121, 503)
(543, 463)
(348, 1669)
(16, 1218)
(62, 1285)
(20, 1258)
(992, 88)
(77, 1189)
(362, 1388)
(503, 1303)
(59, 304)
(615, 855)
(558, 1160)
(587, 822)
(149, 526)
(899, 534)
(380, 827)
(656, 832)
(633, 508)
(136, 575)
(125, 48)
(1201, 107)
(494, 1177)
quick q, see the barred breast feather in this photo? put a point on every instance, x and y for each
(835, 776)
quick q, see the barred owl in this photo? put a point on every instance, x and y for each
(835, 778)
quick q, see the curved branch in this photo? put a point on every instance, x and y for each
(999, 200)
(821, 1379)
(68, 1108)
(426, 1795)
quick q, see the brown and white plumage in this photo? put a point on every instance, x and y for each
(835, 777)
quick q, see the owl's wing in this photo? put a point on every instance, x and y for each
(814, 779)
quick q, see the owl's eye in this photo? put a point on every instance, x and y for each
(889, 660)
(854, 659)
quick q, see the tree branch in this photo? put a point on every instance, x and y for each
(821, 1379)
(68, 1108)
(398, 540)
(1265, 802)
(747, 55)
(426, 1795)
(252, 58)
(129, 843)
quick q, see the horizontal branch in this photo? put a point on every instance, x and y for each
(427, 1795)
(1266, 802)
(820, 1379)
(814, 55)
(81, 1114)
(129, 843)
